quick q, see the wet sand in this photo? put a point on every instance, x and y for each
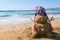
(22, 31)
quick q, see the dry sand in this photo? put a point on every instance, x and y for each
(22, 31)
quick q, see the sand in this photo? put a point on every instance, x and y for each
(22, 31)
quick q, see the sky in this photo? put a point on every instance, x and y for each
(27, 4)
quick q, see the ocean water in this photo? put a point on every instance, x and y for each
(22, 16)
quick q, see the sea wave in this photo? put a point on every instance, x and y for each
(14, 17)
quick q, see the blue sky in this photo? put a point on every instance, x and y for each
(27, 4)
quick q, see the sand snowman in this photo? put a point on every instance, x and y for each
(42, 26)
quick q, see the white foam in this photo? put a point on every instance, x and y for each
(54, 15)
(14, 20)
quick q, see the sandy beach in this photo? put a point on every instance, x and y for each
(22, 31)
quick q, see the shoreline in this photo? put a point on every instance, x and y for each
(19, 20)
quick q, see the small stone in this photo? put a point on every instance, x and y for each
(19, 38)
